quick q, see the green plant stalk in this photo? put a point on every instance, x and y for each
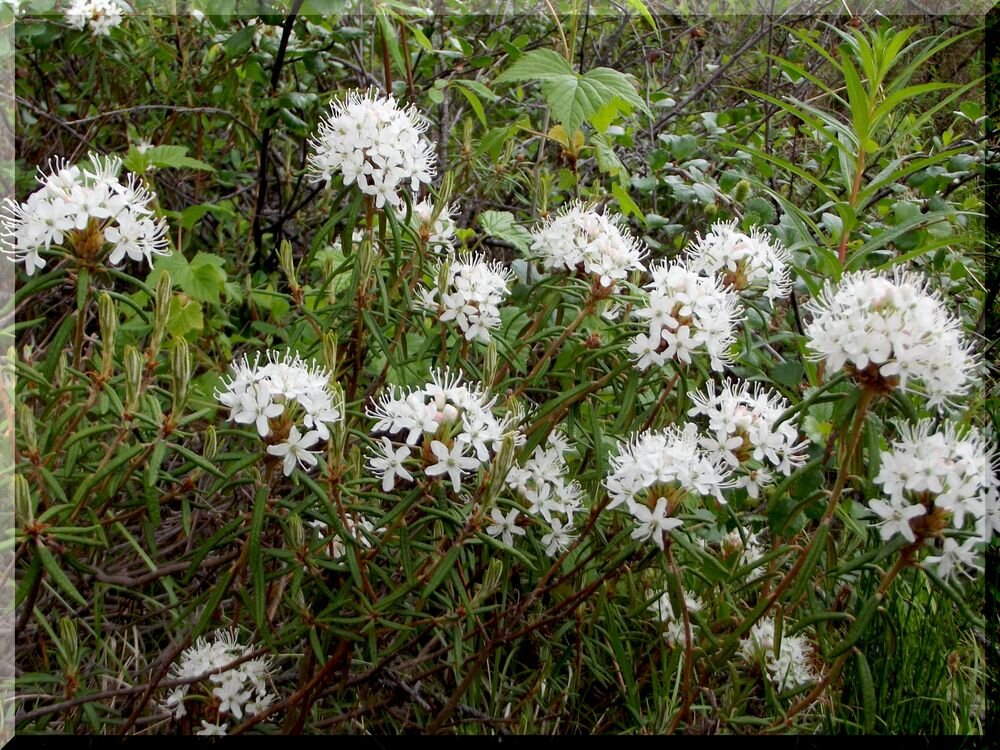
(688, 643)
(587, 309)
(850, 446)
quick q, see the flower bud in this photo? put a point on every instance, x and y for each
(59, 374)
(180, 366)
(329, 268)
(26, 426)
(161, 313)
(287, 263)
(210, 443)
(330, 353)
(741, 192)
(107, 315)
(502, 463)
(69, 644)
(354, 462)
(444, 195)
(133, 365)
(24, 505)
(296, 533)
(366, 255)
(490, 362)
(443, 278)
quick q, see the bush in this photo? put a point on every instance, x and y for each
(402, 371)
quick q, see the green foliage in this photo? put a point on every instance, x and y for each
(146, 519)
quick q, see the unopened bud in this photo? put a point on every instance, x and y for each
(502, 463)
(210, 443)
(354, 463)
(70, 642)
(24, 506)
(741, 192)
(443, 277)
(180, 366)
(444, 195)
(329, 268)
(132, 362)
(366, 254)
(59, 374)
(151, 408)
(490, 362)
(296, 532)
(107, 314)
(330, 352)
(711, 210)
(161, 313)
(26, 426)
(288, 263)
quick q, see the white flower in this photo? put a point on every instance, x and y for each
(744, 433)
(686, 313)
(451, 461)
(473, 292)
(357, 530)
(651, 524)
(88, 209)
(256, 407)
(542, 482)
(751, 262)
(212, 730)
(956, 557)
(675, 632)
(286, 386)
(559, 537)
(891, 332)
(582, 239)
(438, 233)
(938, 469)
(241, 690)
(749, 551)
(896, 518)
(505, 526)
(447, 419)
(389, 463)
(295, 449)
(101, 15)
(654, 463)
(790, 667)
(373, 143)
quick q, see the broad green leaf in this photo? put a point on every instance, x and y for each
(501, 224)
(537, 65)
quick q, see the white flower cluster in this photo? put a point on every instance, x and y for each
(744, 262)
(89, 207)
(473, 291)
(749, 552)
(357, 529)
(891, 331)
(744, 434)
(439, 233)
(944, 478)
(653, 474)
(101, 15)
(674, 633)
(790, 667)
(374, 144)
(687, 313)
(578, 238)
(240, 691)
(273, 396)
(449, 425)
(542, 482)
